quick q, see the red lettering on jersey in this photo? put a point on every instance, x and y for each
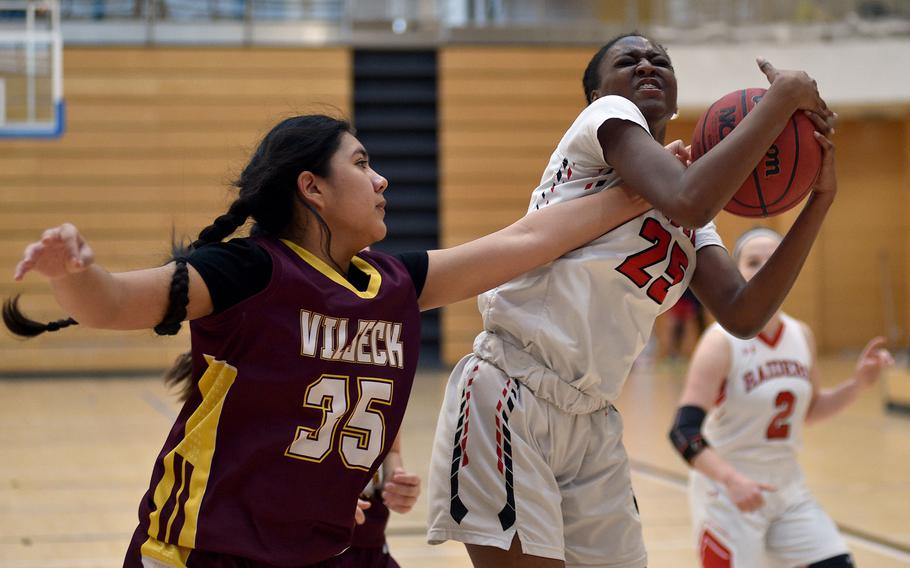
(774, 370)
(749, 379)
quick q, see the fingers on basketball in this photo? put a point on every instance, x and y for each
(766, 68)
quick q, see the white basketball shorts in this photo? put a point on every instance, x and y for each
(790, 529)
(506, 462)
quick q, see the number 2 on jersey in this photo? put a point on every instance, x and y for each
(362, 435)
(633, 267)
(779, 427)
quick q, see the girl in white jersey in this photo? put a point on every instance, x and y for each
(528, 466)
(750, 506)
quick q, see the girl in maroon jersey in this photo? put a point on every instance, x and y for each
(303, 348)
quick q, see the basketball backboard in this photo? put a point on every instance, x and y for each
(31, 69)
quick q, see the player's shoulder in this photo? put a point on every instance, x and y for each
(611, 106)
(790, 320)
(802, 328)
(714, 351)
(716, 333)
(714, 338)
(391, 261)
(244, 253)
(617, 102)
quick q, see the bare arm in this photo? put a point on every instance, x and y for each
(97, 298)
(743, 308)
(540, 237)
(693, 196)
(869, 367)
(710, 364)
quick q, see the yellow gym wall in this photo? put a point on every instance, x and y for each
(154, 137)
(502, 110)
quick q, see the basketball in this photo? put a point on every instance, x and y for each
(786, 173)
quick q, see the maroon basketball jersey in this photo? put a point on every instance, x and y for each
(301, 392)
(371, 534)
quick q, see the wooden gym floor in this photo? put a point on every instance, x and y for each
(76, 455)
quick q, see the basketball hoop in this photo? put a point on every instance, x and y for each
(31, 69)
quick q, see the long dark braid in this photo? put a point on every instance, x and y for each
(21, 325)
(181, 371)
(178, 295)
(267, 193)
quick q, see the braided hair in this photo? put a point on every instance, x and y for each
(21, 325)
(267, 194)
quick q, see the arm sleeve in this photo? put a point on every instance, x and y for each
(686, 432)
(416, 263)
(233, 271)
(581, 139)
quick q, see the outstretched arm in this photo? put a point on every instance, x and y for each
(871, 364)
(710, 364)
(693, 196)
(539, 237)
(743, 308)
(97, 298)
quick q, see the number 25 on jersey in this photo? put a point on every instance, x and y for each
(633, 267)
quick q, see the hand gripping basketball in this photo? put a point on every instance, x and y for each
(791, 166)
(805, 90)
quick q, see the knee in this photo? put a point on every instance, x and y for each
(839, 561)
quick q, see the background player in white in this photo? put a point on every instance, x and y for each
(750, 506)
(528, 466)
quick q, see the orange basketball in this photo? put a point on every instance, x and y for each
(787, 172)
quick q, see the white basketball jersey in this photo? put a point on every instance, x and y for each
(588, 315)
(763, 403)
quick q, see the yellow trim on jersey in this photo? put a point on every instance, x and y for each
(175, 556)
(196, 448)
(332, 274)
